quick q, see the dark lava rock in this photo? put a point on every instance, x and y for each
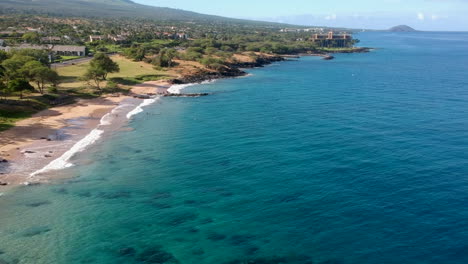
(161, 195)
(38, 203)
(193, 230)
(115, 195)
(251, 250)
(157, 255)
(190, 202)
(34, 231)
(160, 205)
(214, 236)
(3, 184)
(128, 251)
(61, 191)
(2, 261)
(2, 252)
(3, 160)
(198, 252)
(274, 260)
(331, 261)
(241, 239)
(84, 194)
(181, 218)
(206, 221)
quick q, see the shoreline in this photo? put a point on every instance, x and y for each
(72, 128)
(46, 141)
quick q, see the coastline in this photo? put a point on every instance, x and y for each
(46, 141)
(70, 129)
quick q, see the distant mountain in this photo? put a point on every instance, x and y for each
(102, 8)
(402, 28)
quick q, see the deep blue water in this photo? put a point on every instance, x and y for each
(362, 159)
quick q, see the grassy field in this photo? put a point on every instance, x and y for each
(131, 73)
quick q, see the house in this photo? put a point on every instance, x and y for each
(118, 38)
(93, 38)
(31, 29)
(67, 50)
(51, 39)
(63, 50)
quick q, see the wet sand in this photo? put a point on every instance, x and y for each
(37, 141)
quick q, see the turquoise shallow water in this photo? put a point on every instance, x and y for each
(358, 160)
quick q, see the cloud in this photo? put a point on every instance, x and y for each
(331, 17)
(435, 17)
(421, 16)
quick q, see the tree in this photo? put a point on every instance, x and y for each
(165, 58)
(32, 37)
(14, 65)
(40, 55)
(103, 65)
(35, 72)
(20, 85)
(95, 75)
(99, 67)
(3, 55)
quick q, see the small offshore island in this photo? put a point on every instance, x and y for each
(57, 70)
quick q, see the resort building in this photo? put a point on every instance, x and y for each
(95, 38)
(66, 50)
(51, 39)
(332, 40)
(63, 50)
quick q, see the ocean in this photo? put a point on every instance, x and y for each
(362, 159)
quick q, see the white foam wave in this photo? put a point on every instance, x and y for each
(107, 118)
(139, 108)
(177, 88)
(63, 161)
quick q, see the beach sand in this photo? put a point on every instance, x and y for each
(35, 142)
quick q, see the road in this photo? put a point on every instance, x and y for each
(70, 62)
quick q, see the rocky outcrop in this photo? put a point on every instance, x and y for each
(230, 71)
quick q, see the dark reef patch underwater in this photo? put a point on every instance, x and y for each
(358, 160)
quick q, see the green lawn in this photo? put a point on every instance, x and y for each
(131, 73)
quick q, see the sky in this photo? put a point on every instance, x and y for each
(437, 15)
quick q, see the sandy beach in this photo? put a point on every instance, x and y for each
(37, 141)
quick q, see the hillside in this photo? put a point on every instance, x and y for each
(402, 28)
(102, 8)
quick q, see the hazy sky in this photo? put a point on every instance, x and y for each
(378, 14)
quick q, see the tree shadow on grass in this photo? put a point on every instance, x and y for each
(125, 81)
(68, 79)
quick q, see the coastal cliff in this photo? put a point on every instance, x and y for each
(230, 70)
